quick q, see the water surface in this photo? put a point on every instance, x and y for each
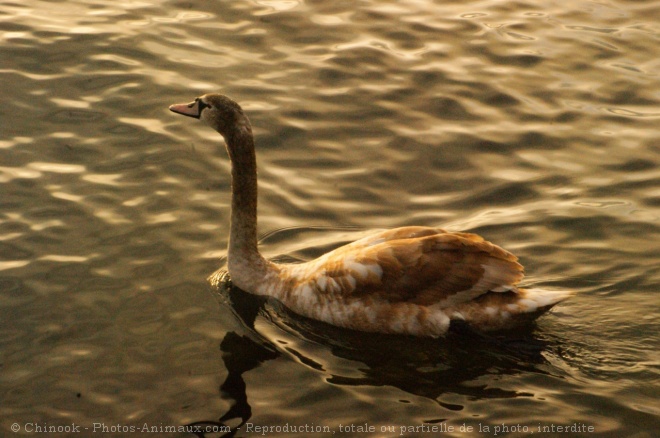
(532, 124)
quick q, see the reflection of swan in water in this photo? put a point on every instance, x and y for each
(466, 366)
(410, 280)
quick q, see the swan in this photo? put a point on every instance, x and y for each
(412, 280)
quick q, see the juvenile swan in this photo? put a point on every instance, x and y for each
(409, 280)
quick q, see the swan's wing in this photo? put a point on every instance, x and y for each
(411, 232)
(418, 265)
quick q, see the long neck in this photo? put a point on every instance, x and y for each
(246, 266)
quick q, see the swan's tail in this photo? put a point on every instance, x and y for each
(506, 310)
(540, 300)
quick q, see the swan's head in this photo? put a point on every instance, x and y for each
(218, 111)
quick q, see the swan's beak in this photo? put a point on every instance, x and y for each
(192, 109)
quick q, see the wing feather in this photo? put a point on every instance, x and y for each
(420, 265)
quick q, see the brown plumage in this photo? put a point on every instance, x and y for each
(411, 280)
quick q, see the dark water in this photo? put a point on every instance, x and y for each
(534, 124)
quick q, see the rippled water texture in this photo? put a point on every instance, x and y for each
(534, 124)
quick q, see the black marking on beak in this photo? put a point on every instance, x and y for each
(193, 109)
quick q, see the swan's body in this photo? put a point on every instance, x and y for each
(410, 280)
